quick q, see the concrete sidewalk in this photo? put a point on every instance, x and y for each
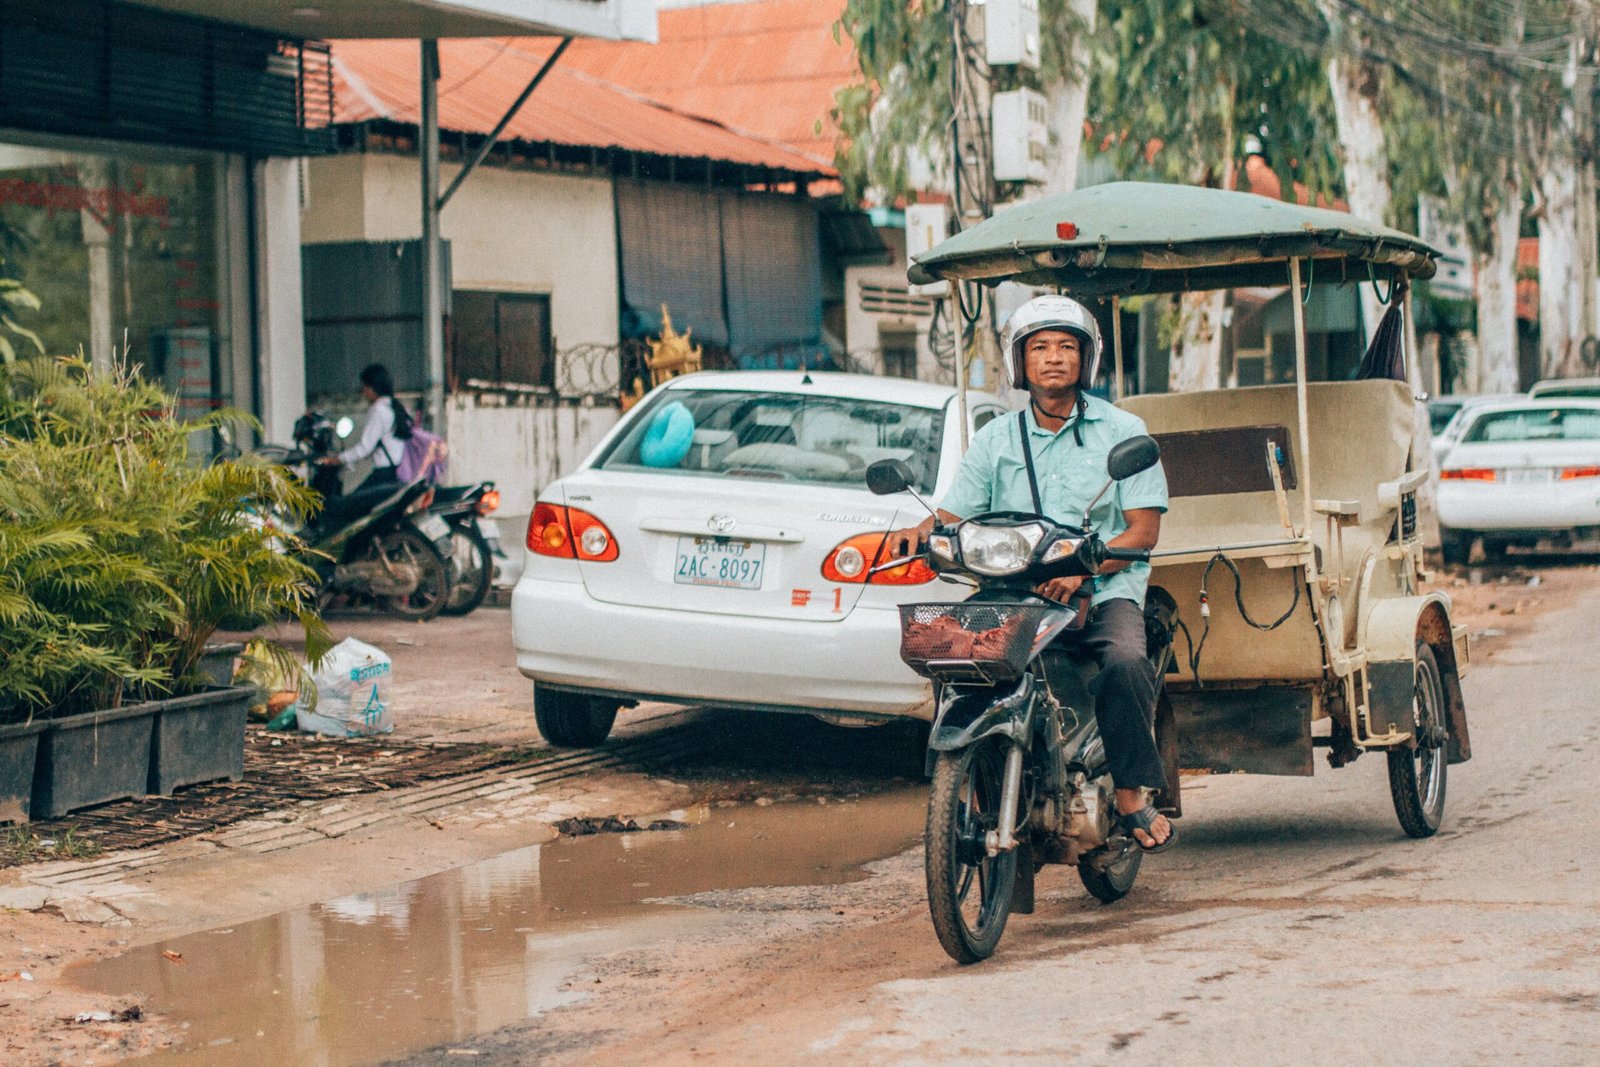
(455, 679)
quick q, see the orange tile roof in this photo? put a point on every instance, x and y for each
(768, 67)
(479, 79)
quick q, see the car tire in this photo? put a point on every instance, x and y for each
(1456, 545)
(573, 720)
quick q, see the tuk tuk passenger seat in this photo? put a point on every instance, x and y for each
(1222, 499)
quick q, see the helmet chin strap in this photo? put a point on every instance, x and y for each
(1078, 406)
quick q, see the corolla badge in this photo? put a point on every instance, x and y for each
(720, 523)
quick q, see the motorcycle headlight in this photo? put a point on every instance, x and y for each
(999, 550)
(1060, 550)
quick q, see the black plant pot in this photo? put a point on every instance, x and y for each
(19, 748)
(199, 738)
(92, 758)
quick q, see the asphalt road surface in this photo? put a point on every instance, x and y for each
(1295, 923)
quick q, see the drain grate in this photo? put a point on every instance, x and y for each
(280, 770)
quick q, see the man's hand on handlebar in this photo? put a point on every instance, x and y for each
(910, 541)
(1060, 589)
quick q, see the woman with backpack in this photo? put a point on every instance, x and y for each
(383, 436)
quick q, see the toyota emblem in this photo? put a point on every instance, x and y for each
(720, 523)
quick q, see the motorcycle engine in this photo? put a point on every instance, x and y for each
(371, 577)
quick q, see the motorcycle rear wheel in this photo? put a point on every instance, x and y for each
(471, 570)
(406, 545)
(969, 891)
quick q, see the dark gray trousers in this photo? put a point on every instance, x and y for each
(1125, 693)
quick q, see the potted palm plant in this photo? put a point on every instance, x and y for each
(119, 558)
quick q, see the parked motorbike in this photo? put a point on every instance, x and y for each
(1018, 766)
(379, 545)
(475, 551)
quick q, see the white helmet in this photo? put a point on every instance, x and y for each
(1050, 313)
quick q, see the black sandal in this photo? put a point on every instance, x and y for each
(1144, 819)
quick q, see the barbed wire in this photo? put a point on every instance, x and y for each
(595, 371)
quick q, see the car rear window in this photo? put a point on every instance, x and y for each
(776, 436)
(1536, 424)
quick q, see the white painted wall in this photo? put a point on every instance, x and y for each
(511, 231)
(521, 449)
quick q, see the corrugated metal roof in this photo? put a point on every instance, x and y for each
(479, 79)
(769, 67)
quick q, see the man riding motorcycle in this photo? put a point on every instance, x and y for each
(1051, 459)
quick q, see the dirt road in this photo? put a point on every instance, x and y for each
(1294, 924)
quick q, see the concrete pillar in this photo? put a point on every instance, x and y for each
(280, 318)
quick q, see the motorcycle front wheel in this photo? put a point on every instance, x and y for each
(969, 891)
(407, 546)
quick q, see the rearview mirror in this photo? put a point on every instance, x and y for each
(1130, 457)
(890, 476)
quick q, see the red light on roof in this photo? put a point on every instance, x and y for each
(1066, 231)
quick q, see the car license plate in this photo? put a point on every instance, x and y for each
(712, 561)
(1528, 475)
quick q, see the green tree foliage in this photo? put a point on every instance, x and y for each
(1176, 87)
(1179, 85)
(119, 558)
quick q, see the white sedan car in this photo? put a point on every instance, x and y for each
(1520, 472)
(714, 550)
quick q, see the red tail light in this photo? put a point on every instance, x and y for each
(1569, 473)
(568, 533)
(548, 533)
(1468, 474)
(850, 561)
(489, 501)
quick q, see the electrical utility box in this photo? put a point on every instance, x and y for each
(1021, 137)
(926, 226)
(1011, 33)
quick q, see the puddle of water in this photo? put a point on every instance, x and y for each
(369, 977)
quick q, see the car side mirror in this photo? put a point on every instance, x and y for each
(889, 476)
(1132, 456)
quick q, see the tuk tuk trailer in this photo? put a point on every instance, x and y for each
(1291, 544)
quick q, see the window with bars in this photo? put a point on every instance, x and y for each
(501, 339)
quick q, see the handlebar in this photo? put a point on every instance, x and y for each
(893, 563)
(1128, 555)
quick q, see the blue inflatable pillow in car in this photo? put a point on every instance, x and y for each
(668, 437)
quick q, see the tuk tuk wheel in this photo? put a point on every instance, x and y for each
(1417, 775)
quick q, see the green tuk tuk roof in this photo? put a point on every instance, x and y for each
(1125, 238)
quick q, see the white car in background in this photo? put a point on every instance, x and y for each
(1460, 408)
(714, 550)
(1521, 471)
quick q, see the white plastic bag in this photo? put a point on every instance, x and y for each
(352, 693)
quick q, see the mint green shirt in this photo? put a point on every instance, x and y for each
(993, 477)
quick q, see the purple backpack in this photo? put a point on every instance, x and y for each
(425, 456)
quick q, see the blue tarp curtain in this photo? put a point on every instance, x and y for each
(742, 270)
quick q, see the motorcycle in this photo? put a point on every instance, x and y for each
(475, 551)
(1018, 767)
(377, 544)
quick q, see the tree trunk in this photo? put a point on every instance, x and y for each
(1560, 284)
(1069, 103)
(1197, 349)
(1497, 295)
(1356, 86)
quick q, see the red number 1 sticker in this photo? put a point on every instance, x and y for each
(838, 600)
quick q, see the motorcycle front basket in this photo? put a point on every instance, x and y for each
(967, 642)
